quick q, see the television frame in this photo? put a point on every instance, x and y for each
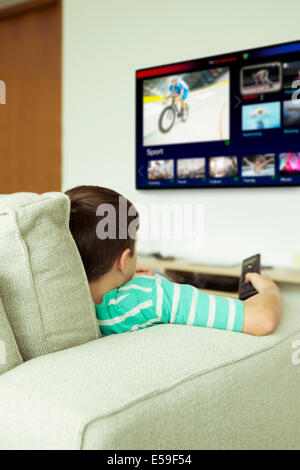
(215, 58)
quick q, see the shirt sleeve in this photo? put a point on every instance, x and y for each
(186, 305)
(129, 308)
(149, 300)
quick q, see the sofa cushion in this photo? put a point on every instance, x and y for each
(43, 285)
(10, 356)
(164, 387)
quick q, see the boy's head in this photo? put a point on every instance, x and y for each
(104, 225)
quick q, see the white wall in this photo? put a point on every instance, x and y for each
(104, 42)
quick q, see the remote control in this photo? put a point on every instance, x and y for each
(246, 289)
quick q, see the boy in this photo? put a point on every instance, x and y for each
(128, 297)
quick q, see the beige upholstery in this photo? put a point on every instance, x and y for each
(164, 387)
(42, 281)
(10, 356)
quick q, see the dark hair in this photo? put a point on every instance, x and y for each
(98, 255)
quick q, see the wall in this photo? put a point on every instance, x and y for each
(104, 42)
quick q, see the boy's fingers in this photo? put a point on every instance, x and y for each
(266, 277)
(256, 280)
(251, 277)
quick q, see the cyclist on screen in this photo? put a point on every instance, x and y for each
(181, 89)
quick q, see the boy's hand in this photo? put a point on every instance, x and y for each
(142, 270)
(261, 282)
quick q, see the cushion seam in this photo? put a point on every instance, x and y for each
(29, 272)
(169, 387)
(13, 339)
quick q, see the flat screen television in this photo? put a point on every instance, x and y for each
(230, 120)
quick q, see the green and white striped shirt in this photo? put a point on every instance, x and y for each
(149, 300)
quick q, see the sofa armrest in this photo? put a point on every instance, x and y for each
(164, 387)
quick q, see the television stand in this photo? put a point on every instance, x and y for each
(214, 279)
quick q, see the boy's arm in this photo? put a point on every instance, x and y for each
(262, 311)
(186, 305)
(258, 315)
(147, 300)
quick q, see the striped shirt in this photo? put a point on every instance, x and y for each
(150, 300)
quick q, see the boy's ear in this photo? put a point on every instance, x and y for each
(123, 260)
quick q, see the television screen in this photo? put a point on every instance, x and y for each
(229, 120)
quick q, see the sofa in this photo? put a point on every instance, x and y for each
(64, 387)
